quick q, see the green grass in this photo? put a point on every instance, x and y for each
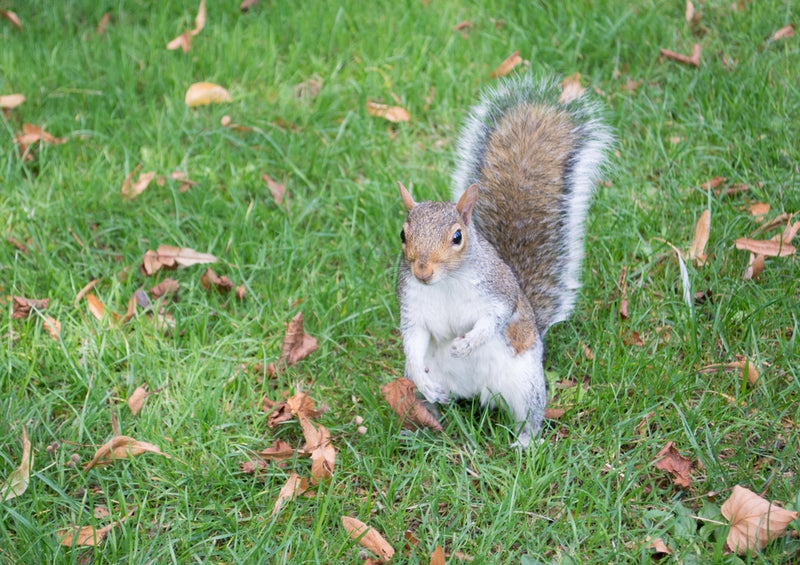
(589, 493)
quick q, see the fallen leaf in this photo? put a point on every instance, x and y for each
(308, 89)
(200, 19)
(17, 482)
(171, 257)
(136, 400)
(121, 447)
(671, 461)
(277, 189)
(368, 537)
(389, 113)
(571, 89)
(131, 191)
(689, 14)
(165, 288)
(295, 486)
(747, 369)
(697, 251)
(88, 535)
(22, 306)
(203, 93)
(754, 520)
(507, 66)
(211, 280)
(103, 24)
(185, 182)
(11, 17)
(784, 32)
(278, 451)
(713, 183)
(297, 345)
(693, 59)
(247, 4)
(759, 210)
(622, 284)
(34, 134)
(240, 292)
(755, 267)
(318, 446)
(52, 327)
(461, 26)
(789, 232)
(82, 292)
(298, 405)
(8, 101)
(658, 546)
(95, 306)
(183, 41)
(401, 394)
(437, 557)
(765, 247)
(552, 413)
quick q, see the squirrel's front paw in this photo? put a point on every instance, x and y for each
(461, 347)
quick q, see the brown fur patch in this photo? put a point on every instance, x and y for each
(521, 330)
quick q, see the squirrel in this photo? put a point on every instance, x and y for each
(481, 279)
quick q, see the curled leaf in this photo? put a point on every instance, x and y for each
(508, 65)
(769, 248)
(136, 400)
(697, 251)
(295, 486)
(401, 394)
(121, 447)
(670, 460)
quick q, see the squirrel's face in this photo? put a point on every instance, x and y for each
(434, 240)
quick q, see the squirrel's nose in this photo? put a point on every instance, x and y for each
(423, 273)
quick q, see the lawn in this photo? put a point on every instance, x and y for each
(636, 367)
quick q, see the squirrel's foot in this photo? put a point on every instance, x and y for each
(461, 347)
(433, 392)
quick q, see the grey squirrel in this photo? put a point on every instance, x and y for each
(482, 279)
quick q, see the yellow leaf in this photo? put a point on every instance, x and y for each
(203, 93)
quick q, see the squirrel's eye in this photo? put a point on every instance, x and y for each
(457, 238)
(403, 236)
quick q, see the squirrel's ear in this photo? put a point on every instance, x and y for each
(467, 202)
(408, 202)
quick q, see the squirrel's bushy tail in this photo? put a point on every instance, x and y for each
(535, 161)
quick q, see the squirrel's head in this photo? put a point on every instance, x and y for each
(436, 235)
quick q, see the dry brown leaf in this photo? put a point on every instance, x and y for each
(308, 89)
(131, 191)
(297, 345)
(670, 460)
(295, 486)
(8, 101)
(368, 537)
(789, 232)
(783, 33)
(34, 134)
(185, 182)
(622, 284)
(136, 400)
(759, 210)
(278, 451)
(714, 183)
(183, 41)
(247, 4)
(571, 89)
(392, 114)
(693, 59)
(103, 24)
(277, 189)
(200, 19)
(765, 247)
(461, 26)
(401, 396)
(747, 369)
(203, 93)
(507, 66)
(697, 251)
(82, 292)
(211, 280)
(121, 447)
(95, 306)
(22, 306)
(84, 536)
(240, 292)
(754, 520)
(437, 557)
(755, 267)
(52, 327)
(171, 257)
(166, 287)
(553, 413)
(657, 546)
(11, 17)
(17, 482)
(298, 405)
(689, 14)
(319, 447)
